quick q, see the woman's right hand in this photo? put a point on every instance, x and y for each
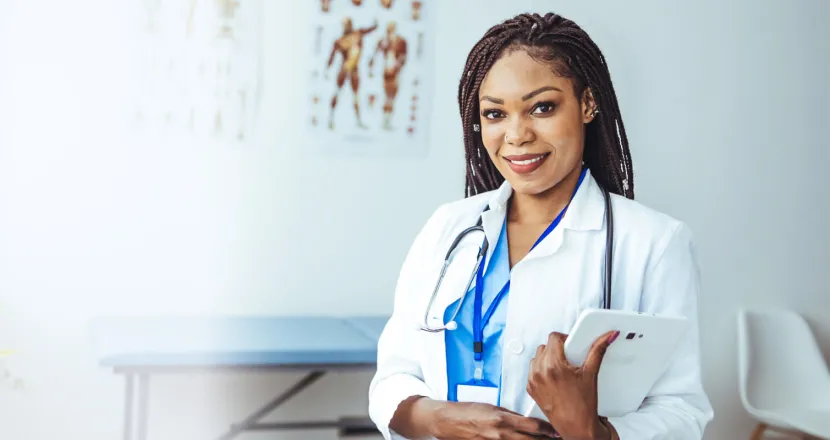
(461, 421)
(468, 421)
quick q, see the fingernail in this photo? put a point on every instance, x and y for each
(613, 336)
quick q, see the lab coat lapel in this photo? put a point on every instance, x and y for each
(587, 208)
(585, 212)
(492, 220)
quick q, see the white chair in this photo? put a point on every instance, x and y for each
(784, 381)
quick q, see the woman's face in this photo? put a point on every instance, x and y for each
(532, 123)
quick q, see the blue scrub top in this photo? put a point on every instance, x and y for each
(459, 342)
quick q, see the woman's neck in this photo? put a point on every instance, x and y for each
(543, 208)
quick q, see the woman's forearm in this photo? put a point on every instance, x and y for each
(414, 418)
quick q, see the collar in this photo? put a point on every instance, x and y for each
(586, 211)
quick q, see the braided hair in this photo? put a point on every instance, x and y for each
(571, 53)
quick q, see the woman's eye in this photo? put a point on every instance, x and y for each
(543, 107)
(492, 114)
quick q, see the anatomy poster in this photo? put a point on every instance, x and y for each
(370, 75)
(196, 68)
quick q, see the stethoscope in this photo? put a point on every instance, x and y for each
(452, 325)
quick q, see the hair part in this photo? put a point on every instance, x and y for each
(570, 52)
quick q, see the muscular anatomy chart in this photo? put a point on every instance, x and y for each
(392, 49)
(370, 75)
(350, 48)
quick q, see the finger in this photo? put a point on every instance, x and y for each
(597, 352)
(508, 411)
(542, 429)
(556, 350)
(530, 426)
(513, 435)
(556, 336)
(537, 358)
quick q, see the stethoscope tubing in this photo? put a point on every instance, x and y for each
(451, 324)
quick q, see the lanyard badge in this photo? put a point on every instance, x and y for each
(479, 389)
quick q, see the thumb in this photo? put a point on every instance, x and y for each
(597, 352)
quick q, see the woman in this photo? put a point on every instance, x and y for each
(543, 134)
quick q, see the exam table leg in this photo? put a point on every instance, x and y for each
(143, 391)
(128, 406)
(135, 405)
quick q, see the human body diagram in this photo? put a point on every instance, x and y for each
(350, 47)
(393, 48)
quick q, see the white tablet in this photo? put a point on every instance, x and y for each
(634, 361)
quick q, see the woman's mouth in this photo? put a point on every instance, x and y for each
(525, 163)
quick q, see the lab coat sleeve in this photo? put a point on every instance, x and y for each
(398, 374)
(677, 407)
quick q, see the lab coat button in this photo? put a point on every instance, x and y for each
(515, 346)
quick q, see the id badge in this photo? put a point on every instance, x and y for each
(478, 392)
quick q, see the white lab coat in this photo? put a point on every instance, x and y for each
(655, 270)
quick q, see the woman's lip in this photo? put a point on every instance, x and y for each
(525, 168)
(524, 156)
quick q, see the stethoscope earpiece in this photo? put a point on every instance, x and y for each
(451, 325)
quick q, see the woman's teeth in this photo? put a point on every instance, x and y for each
(526, 162)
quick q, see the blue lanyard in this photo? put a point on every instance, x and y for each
(478, 324)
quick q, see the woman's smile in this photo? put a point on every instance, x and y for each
(525, 163)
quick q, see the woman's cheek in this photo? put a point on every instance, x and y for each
(491, 136)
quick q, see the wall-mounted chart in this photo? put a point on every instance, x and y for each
(370, 76)
(195, 68)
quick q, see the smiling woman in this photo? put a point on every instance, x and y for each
(545, 144)
(540, 129)
(543, 68)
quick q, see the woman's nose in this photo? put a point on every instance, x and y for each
(518, 132)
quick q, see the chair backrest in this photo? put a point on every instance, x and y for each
(779, 360)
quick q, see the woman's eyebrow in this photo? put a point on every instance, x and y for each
(491, 99)
(538, 91)
(524, 98)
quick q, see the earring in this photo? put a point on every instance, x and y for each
(596, 112)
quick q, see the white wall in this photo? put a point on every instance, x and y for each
(726, 104)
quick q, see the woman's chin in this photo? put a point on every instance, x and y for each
(529, 187)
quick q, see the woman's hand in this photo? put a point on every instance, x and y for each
(566, 394)
(457, 421)
(421, 417)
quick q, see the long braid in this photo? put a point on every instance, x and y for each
(571, 52)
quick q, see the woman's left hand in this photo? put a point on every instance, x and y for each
(566, 394)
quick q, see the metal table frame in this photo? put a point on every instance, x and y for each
(141, 347)
(137, 392)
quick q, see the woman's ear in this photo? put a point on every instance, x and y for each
(589, 106)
